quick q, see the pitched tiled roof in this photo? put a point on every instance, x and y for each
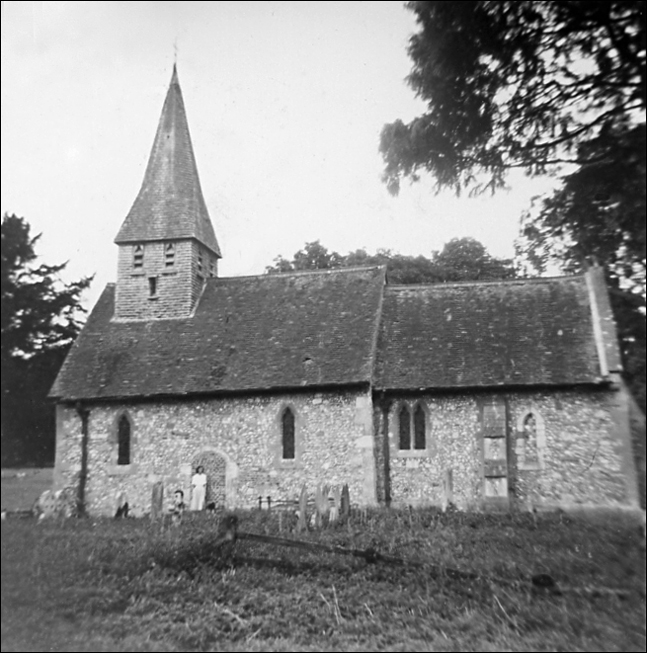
(343, 327)
(530, 332)
(248, 333)
(170, 204)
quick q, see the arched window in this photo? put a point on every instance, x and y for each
(419, 428)
(404, 420)
(288, 441)
(123, 441)
(531, 440)
(530, 452)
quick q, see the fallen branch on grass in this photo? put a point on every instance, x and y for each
(229, 533)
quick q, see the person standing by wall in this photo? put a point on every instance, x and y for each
(199, 485)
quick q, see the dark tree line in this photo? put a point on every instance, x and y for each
(462, 259)
(40, 320)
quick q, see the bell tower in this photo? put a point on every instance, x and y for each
(167, 245)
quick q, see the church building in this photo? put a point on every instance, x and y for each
(500, 394)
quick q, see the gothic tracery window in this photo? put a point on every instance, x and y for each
(412, 428)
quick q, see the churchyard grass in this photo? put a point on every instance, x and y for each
(133, 585)
(21, 487)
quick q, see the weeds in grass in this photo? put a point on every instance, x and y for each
(134, 586)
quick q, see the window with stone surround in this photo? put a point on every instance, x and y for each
(288, 442)
(530, 440)
(138, 257)
(123, 441)
(152, 287)
(412, 428)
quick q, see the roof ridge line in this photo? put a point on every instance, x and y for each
(296, 273)
(477, 282)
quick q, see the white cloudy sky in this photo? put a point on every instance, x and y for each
(285, 102)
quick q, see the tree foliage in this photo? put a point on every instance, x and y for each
(39, 312)
(515, 84)
(547, 87)
(462, 259)
(598, 215)
(40, 320)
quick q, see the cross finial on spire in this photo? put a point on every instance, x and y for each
(175, 52)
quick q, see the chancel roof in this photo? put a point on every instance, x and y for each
(508, 333)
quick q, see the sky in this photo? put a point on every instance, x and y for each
(285, 103)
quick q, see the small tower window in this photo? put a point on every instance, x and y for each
(152, 286)
(212, 267)
(138, 257)
(200, 265)
(123, 441)
(169, 255)
(288, 442)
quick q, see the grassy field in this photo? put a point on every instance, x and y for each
(21, 487)
(129, 585)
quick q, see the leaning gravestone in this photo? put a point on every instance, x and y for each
(59, 503)
(122, 505)
(157, 501)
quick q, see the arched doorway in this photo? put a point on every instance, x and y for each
(215, 467)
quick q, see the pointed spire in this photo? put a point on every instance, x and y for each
(170, 204)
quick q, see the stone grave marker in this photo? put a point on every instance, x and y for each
(157, 501)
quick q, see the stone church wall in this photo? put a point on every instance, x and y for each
(578, 453)
(574, 450)
(334, 445)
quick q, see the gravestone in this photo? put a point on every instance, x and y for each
(321, 505)
(157, 500)
(60, 503)
(448, 489)
(302, 524)
(334, 508)
(122, 505)
(345, 501)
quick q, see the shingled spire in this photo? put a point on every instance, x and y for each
(167, 246)
(170, 204)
